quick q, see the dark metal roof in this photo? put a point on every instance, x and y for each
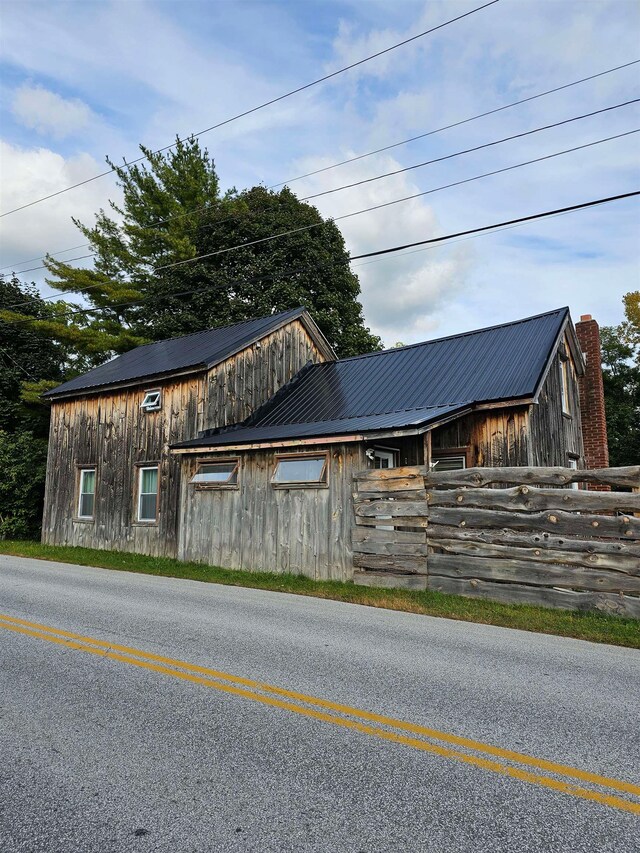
(405, 387)
(201, 349)
(340, 426)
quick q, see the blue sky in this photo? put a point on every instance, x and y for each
(84, 79)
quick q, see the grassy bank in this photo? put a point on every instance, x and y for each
(596, 627)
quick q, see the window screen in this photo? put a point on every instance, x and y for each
(87, 492)
(217, 473)
(308, 469)
(450, 463)
(148, 494)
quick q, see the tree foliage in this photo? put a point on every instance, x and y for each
(621, 377)
(23, 463)
(29, 362)
(173, 211)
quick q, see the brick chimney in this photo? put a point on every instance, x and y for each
(594, 425)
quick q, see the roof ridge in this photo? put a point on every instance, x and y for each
(452, 337)
(300, 308)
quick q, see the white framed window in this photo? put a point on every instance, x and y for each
(300, 470)
(147, 493)
(87, 493)
(564, 386)
(152, 401)
(216, 474)
(449, 463)
(384, 457)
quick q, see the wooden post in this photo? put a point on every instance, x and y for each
(427, 451)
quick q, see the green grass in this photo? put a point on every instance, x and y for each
(596, 627)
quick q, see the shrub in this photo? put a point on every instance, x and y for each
(23, 459)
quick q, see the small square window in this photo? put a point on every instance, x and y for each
(216, 474)
(152, 401)
(87, 490)
(301, 471)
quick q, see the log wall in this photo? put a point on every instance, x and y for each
(537, 542)
(111, 432)
(257, 527)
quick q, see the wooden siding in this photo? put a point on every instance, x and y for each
(240, 385)
(112, 433)
(109, 430)
(494, 438)
(556, 437)
(260, 528)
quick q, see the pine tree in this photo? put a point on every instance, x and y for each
(172, 211)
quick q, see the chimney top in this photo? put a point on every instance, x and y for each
(585, 317)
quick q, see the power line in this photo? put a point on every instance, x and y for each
(469, 150)
(261, 106)
(454, 124)
(373, 207)
(398, 201)
(406, 169)
(471, 231)
(519, 221)
(19, 366)
(341, 163)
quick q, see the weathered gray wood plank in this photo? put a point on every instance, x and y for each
(409, 565)
(616, 562)
(536, 539)
(529, 572)
(374, 534)
(479, 477)
(530, 499)
(556, 521)
(386, 580)
(511, 593)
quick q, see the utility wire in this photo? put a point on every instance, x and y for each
(469, 150)
(375, 207)
(519, 221)
(398, 171)
(472, 231)
(19, 366)
(396, 201)
(263, 105)
(341, 163)
(454, 124)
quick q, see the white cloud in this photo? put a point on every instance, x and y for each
(399, 294)
(33, 173)
(50, 114)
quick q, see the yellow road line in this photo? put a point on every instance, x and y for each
(136, 657)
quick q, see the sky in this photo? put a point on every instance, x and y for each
(82, 80)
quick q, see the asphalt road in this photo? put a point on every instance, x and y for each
(108, 750)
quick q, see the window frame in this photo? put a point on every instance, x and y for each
(140, 467)
(565, 397)
(145, 406)
(81, 469)
(220, 485)
(321, 483)
(455, 452)
(390, 453)
(573, 462)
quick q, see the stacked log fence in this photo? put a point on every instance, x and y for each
(516, 535)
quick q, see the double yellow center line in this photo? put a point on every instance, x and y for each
(526, 768)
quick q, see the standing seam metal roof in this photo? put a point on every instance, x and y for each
(203, 349)
(428, 379)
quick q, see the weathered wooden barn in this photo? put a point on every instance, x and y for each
(237, 446)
